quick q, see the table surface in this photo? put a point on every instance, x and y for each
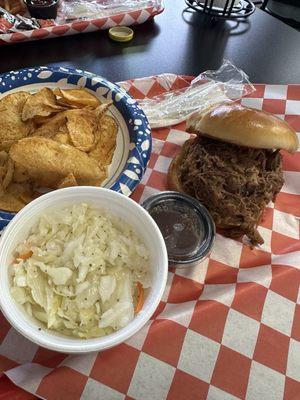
(265, 48)
(176, 41)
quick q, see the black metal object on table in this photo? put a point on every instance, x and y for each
(243, 9)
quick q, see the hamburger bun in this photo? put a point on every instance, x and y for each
(233, 123)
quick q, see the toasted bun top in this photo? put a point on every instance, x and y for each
(233, 123)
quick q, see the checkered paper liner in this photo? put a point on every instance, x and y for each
(83, 26)
(226, 329)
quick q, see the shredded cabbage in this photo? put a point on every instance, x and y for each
(82, 274)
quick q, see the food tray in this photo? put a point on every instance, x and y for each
(228, 328)
(83, 26)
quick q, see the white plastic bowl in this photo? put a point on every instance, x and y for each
(117, 204)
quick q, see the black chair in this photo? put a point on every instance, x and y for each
(284, 4)
(264, 4)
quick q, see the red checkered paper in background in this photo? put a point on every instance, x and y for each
(226, 329)
(83, 26)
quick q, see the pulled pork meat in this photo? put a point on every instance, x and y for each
(235, 183)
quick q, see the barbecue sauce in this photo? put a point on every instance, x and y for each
(181, 228)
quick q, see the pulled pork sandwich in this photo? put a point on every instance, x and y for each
(233, 165)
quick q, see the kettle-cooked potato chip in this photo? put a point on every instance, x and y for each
(16, 196)
(9, 173)
(48, 162)
(23, 191)
(12, 127)
(63, 137)
(81, 126)
(41, 103)
(76, 97)
(20, 174)
(3, 170)
(44, 138)
(106, 136)
(3, 157)
(9, 202)
(39, 120)
(52, 126)
(68, 181)
(101, 110)
(68, 106)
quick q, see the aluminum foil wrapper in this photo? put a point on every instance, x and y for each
(24, 23)
(7, 20)
(16, 23)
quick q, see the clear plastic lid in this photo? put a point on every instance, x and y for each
(185, 224)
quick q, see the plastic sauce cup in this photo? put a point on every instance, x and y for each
(186, 225)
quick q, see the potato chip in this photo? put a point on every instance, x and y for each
(3, 164)
(48, 162)
(12, 100)
(106, 136)
(20, 174)
(9, 174)
(68, 181)
(43, 140)
(76, 97)
(16, 197)
(42, 103)
(39, 120)
(9, 202)
(64, 129)
(12, 127)
(101, 110)
(3, 157)
(24, 191)
(3, 170)
(68, 106)
(52, 126)
(81, 126)
(63, 137)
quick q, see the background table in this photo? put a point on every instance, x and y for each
(264, 47)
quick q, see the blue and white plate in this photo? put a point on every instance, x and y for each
(134, 135)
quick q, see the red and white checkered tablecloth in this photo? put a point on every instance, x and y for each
(226, 329)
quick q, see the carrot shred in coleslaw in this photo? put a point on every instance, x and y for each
(140, 300)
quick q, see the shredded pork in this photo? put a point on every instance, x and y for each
(235, 183)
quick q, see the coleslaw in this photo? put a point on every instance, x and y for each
(81, 272)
